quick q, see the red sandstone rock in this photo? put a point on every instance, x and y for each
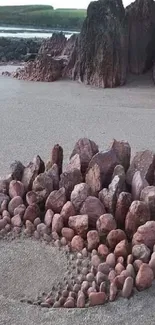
(30, 172)
(79, 224)
(79, 195)
(43, 182)
(77, 243)
(20, 210)
(104, 268)
(111, 276)
(145, 235)
(17, 169)
(81, 301)
(57, 223)
(123, 203)
(104, 198)
(48, 217)
(123, 152)
(138, 215)
(119, 268)
(152, 265)
(137, 264)
(103, 250)
(130, 270)
(130, 259)
(2, 224)
(30, 226)
(86, 150)
(14, 203)
(69, 179)
(111, 260)
(67, 211)
(57, 157)
(113, 292)
(53, 173)
(115, 188)
(106, 162)
(95, 260)
(93, 208)
(144, 277)
(144, 161)
(94, 179)
(92, 239)
(114, 237)
(127, 287)
(16, 188)
(74, 163)
(31, 197)
(138, 184)
(105, 224)
(16, 221)
(67, 233)
(42, 229)
(56, 200)
(122, 249)
(31, 213)
(141, 252)
(97, 298)
(148, 196)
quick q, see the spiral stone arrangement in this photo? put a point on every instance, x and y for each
(99, 209)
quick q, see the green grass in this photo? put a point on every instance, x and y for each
(42, 16)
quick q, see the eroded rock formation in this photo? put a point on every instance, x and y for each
(102, 48)
(113, 42)
(141, 19)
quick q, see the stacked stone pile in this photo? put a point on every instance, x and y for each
(100, 209)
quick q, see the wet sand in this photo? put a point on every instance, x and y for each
(35, 116)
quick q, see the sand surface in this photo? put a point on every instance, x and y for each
(35, 116)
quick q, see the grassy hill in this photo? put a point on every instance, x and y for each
(42, 16)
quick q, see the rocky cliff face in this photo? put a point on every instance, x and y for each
(141, 21)
(102, 48)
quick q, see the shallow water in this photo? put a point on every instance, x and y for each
(30, 32)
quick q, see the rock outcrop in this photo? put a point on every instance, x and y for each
(103, 45)
(141, 19)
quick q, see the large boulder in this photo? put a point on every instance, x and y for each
(123, 152)
(141, 21)
(102, 47)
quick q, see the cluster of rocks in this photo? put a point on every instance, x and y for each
(100, 208)
(51, 60)
(113, 42)
(16, 50)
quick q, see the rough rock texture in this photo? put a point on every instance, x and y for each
(106, 161)
(93, 208)
(79, 224)
(122, 207)
(53, 45)
(144, 277)
(138, 215)
(138, 184)
(141, 19)
(145, 235)
(86, 149)
(123, 152)
(143, 161)
(44, 68)
(102, 48)
(148, 196)
(69, 179)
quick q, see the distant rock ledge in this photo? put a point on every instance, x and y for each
(113, 42)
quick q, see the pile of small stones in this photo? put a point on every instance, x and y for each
(99, 208)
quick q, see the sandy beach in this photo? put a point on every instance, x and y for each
(34, 117)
